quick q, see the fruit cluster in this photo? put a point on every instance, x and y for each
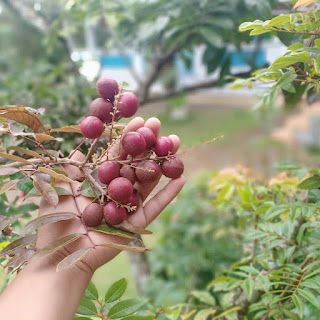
(147, 156)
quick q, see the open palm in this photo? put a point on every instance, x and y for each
(76, 203)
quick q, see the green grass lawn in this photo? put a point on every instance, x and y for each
(205, 124)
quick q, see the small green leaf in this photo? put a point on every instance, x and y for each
(125, 308)
(204, 296)
(299, 305)
(91, 292)
(86, 307)
(309, 296)
(139, 317)
(116, 290)
(115, 232)
(86, 190)
(310, 183)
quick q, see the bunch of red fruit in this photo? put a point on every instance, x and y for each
(148, 157)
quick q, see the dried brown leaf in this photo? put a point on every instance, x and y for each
(41, 137)
(11, 220)
(26, 151)
(72, 259)
(56, 175)
(14, 158)
(46, 219)
(76, 129)
(131, 228)
(7, 171)
(15, 246)
(56, 245)
(46, 189)
(22, 115)
(4, 187)
(20, 258)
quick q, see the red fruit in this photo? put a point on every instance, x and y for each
(101, 109)
(133, 143)
(120, 189)
(113, 214)
(92, 215)
(163, 146)
(108, 171)
(107, 88)
(133, 202)
(128, 104)
(147, 171)
(128, 173)
(148, 135)
(172, 168)
(91, 127)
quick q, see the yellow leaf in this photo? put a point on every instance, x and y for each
(303, 3)
(22, 115)
(221, 315)
(55, 175)
(41, 137)
(14, 158)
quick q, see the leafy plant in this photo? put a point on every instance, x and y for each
(93, 306)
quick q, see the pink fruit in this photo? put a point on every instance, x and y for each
(133, 202)
(148, 135)
(92, 215)
(120, 189)
(113, 214)
(128, 173)
(172, 167)
(128, 104)
(108, 171)
(147, 171)
(91, 127)
(163, 146)
(107, 88)
(101, 109)
(133, 143)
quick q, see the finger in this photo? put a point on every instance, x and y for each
(176, 142)
(154, 206)
(73, 171)
(154, 124)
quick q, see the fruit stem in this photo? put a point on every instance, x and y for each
(91, 150)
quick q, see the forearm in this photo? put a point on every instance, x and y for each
(40, 293)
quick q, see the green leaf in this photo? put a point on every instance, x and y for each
(286, 79)
(212, 37)
(139, 317)
(86, 190)
(125, 308)
(248, 287)
(204, 296)
(91, 292)
(116, 290)
(299, 305)
(310, 183)
(86, 307)
(309, 296)
(289, 60)
(115, 232)
(204, 314)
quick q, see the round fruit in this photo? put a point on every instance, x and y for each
(101, 109)
(128, 173)
(133, 202)
(172, 168)
(120, 189)
(133, 143)
(163, 146)
(147, 171)
(107, 88)
(148, 135)
(114, 214)
(92, 215)
(91, 127)
(108, 171)
(128, 104)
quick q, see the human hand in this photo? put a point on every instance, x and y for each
(76, 203)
